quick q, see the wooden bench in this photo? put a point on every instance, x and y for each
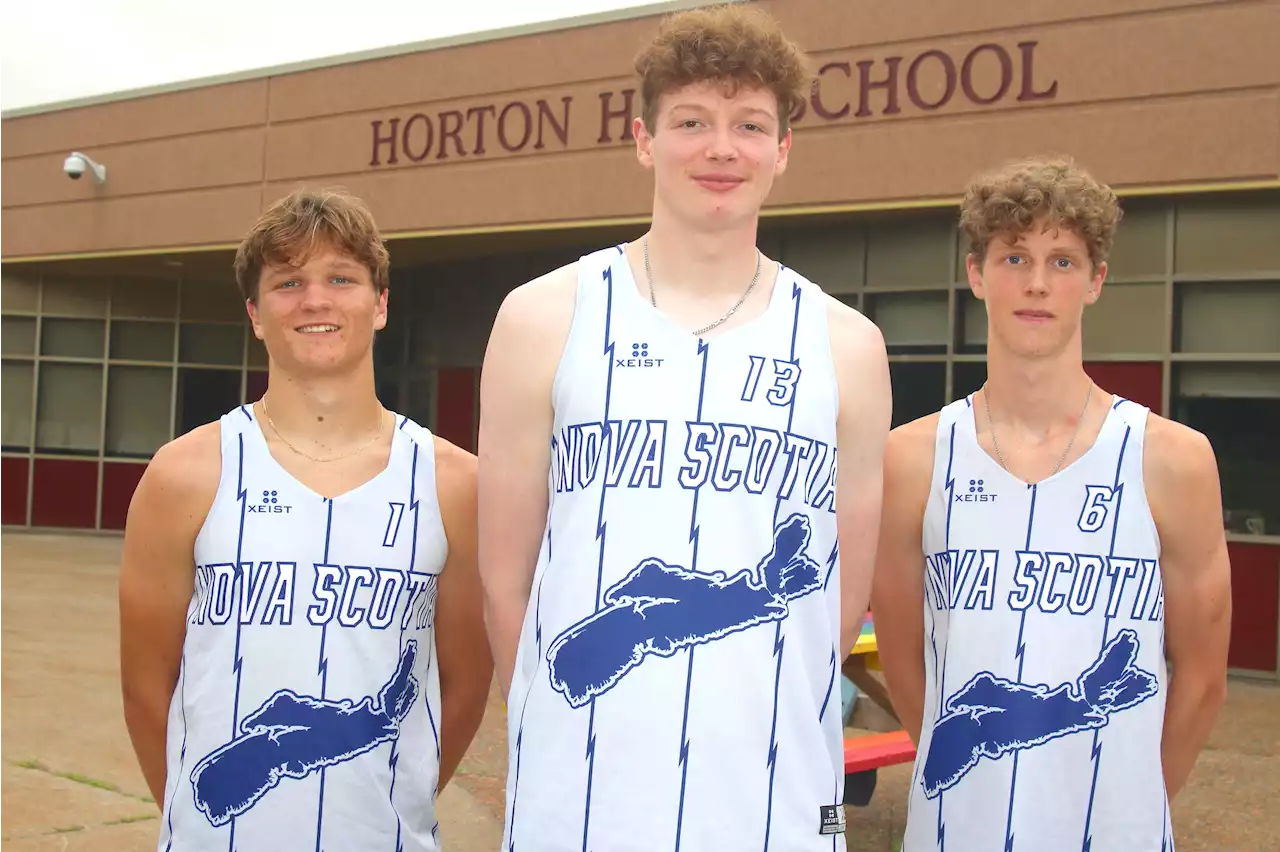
(864, 755)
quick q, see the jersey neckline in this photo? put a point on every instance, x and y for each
(629, 284)
(969, 419)
(258, 436)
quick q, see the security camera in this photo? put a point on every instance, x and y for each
(76, 164)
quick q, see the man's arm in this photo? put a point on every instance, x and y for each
(1181, 478)
(866, 408)
(516, 422)
(897, 597)
(466, 665)
(157, 578)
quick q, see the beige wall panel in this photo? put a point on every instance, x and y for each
(536, 122)
(1095, 60)
(154, 221)
(225, 158)
(466, 71)
(599, 185)
(821, 24)
(1125, 144)
(88, 128)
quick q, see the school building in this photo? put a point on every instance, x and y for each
(490, 159)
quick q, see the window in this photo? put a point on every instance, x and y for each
(211, 344)
(1237, 406)
(15, 410)
(204, 396)
(972, 321)
(1127, 319)
(69, 411)
(75, 297)
(145, 299)
(141, 341)
(19, 294)
(138, 417)
(1139, 248)
(72, 338)
(967, 377)
(911, 251)
(830, 256)
(18, 336)
(1228, 317)
(911, 322)
(212, 301)
(1233, 234)
(918, 389)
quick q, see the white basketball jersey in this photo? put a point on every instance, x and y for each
(676, 681)
(1044, 652)
(307, 712)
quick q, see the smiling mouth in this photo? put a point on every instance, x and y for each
(317, 329)
(718, 182)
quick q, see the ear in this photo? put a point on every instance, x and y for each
(380, 313)
(784, 148)
(644, 143)
(252, 309)
(1095, 284)
(973, 271)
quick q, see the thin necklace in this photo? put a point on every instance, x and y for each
(377, 434)
(1000, 457)
(701, 331)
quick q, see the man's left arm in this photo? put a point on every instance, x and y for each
(862, 426)
(462, 647)
(1181, 477)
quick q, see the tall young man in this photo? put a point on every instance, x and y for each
(660, 503)
(1071, 540)
(302, 640)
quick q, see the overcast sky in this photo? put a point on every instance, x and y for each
(57, 50)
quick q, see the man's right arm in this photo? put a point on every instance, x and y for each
(157, 576)
(897, 597)
(516, 423)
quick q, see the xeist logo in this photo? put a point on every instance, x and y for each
(270, 504)
(639, 357)
(976, 494)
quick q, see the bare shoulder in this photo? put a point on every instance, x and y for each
(455, 470)
(853, 335)
(1176, 460)
(910, 447)
(541, 305)
(181, 480)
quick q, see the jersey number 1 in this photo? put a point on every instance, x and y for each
(785, 376)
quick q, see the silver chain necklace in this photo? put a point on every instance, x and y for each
(347, 454)
(996, 444)
(653, 299)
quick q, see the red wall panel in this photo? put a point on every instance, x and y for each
(119, 479)
(1138, 381)
(456, 405)
(13, 498)
(1255, 605)
(65, 493)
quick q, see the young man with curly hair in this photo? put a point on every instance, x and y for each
(1044, 546)
(674, 564)
(301, 628)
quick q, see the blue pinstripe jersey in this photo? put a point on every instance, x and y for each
(675, 686)
(1044, 652)
(307, 707)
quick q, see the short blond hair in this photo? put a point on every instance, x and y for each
(290, 230)
(1054, 190)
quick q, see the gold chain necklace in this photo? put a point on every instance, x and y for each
(376, 435)
(996, 444)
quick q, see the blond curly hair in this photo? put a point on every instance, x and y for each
(736, 45)
(1053, 190)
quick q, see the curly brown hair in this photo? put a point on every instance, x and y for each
(1052, 190)
(735, 45)
(296, 226)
